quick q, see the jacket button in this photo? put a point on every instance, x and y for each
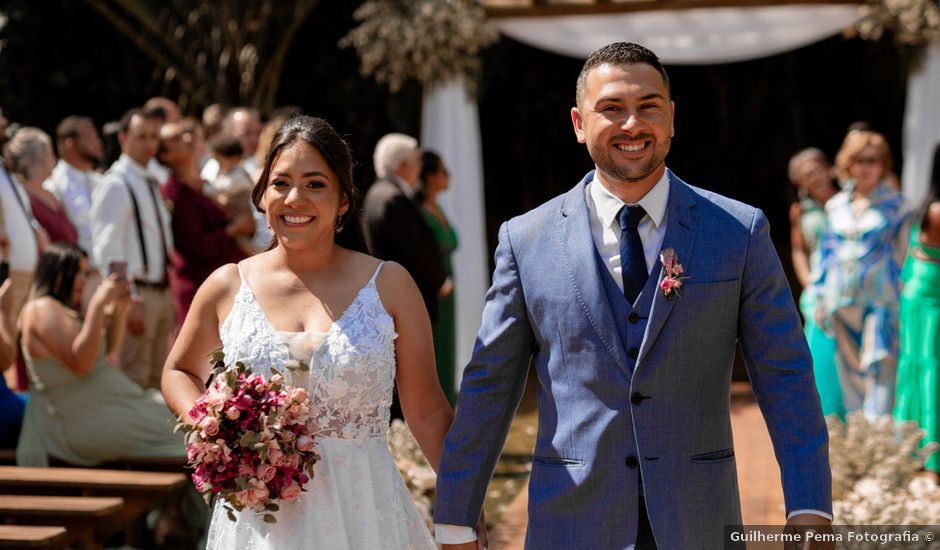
(633, 318)
(636, 397)
(632, 353)
(632, 462)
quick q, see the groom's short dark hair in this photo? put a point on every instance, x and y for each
(619, 53)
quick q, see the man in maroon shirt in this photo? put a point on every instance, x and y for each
(204, 236)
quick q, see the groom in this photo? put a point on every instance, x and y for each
(633, 357)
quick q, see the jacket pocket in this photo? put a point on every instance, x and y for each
(558, 461)
(713, 456)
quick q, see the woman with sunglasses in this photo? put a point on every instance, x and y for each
(857, 285)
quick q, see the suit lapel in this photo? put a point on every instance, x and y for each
(578, 255)
(680, 236)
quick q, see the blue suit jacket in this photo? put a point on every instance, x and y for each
(547, 304)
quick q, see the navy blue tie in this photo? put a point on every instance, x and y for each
(632, 258)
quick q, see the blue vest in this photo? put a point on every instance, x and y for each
(631, 322)
(630, 319)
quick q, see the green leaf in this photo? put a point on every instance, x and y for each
(241, 483)
(272, 507)
(230, 514)
(269, 518)
(248, 439)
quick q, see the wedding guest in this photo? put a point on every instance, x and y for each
(231, 190)
(918, 390)
(395, 229)
(81, 409)
(131, 224)
(245, 124)
(22, 237)
(30, 157)
(811, 173)
(74, 177)
(212, 120)
(857, 288)
(204, 236)
(435, 180)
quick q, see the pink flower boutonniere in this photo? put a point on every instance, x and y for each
(672, 282)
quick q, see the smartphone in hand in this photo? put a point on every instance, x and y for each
(120, 267)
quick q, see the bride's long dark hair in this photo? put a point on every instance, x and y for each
(318, 133)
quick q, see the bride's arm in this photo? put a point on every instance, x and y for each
(423, 403)
(187, 367)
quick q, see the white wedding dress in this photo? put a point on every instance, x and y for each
(356, 499)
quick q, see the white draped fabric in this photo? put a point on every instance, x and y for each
(451, 126)
(700, 36)
(921, 125)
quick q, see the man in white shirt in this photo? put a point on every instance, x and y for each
(131, 224)
(166, 110)
(74, 178)
(626, 296)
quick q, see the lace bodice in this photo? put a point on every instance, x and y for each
(352, 370)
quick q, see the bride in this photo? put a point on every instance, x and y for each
(359, 323)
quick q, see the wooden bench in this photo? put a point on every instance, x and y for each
(84, 518)
(32, 536)
(141, 491)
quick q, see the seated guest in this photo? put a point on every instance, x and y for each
(82, 410)
(29, 156)
(204, 235)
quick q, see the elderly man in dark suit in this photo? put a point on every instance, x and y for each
(393, 225)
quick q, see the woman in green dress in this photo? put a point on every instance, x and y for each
(82, 410)
(434, 181)
(918, 385)
(811, 172)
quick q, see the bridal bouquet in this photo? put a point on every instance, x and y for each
(250, 440)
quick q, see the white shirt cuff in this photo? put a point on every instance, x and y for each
(815, 512)
(454, 534)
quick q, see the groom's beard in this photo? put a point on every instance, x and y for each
(630, 172)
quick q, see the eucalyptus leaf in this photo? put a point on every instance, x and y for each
(272, 507)
(269, 518)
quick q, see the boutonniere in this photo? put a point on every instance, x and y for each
(672, 282)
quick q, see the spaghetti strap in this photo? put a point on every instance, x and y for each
(376, 274)
(241, 274)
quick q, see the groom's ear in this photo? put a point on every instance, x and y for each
(578, 124)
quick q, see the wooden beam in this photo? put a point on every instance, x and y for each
(541, 8)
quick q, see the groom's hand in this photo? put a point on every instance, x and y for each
(806, 523)
(479, 544)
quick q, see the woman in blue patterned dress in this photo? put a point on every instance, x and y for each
(857, 287)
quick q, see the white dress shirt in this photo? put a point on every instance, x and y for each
(603, 209)
(73, 188)
(24, 250)
(114, 228)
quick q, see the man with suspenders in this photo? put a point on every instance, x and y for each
(131, 224)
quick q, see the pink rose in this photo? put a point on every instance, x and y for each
(305, 443)
(246, 470)
(290, 492)
(274, 455)
(209, 426)
(232, 413)
(197, 413)
(669, 284)
(266, 472)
